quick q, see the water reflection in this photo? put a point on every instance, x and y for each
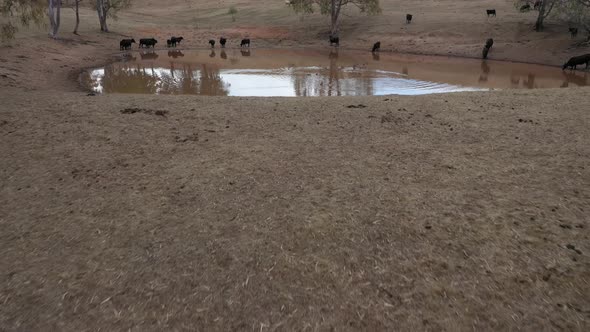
(530, 81)
(485, 70)
(580, 79)
(175, 54)
(149, 55)
(330, 72)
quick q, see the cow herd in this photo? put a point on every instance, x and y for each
(126, 44)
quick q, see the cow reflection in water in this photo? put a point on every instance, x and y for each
(212, 54)
(223, 55)
(128, 57)
(175, 54)
(376, 56)
(149, 55)
(485, 70)
(572, 77)
(245, 52)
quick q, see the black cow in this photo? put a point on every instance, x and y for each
(222, 41)
(245, 42)
(125, 44)
(408, 18)
(212, 43)
(169, 43)
(176, 40)
(525, 8)
(489, 43)
(577, 60)
(573, 32)
(537, 5)
(376, 47)
(334, 41)
(491, 12)
(147, 42)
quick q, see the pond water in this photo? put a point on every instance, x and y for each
(315, 72)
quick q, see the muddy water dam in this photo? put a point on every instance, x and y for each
(315, 72)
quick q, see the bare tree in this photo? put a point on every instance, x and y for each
(334, 9)
(54, 17)
(573, 11)
(109, 8)
(576, 13)
(544, 11)
(77, 10)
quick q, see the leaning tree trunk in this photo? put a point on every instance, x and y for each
(541, 17)
(102, 15)
(77, 16)
(54, 17)
(544, 11)
(334, 14)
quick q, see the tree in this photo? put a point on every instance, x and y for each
(576, 13)
(334, 9)
(109, 8)
(54, 12)
(76, 9)
(573, 11)
(232, 11)
(20, 12)
(544, 11)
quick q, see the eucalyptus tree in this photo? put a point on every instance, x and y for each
(333, 8)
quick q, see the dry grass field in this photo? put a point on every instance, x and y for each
(451, 212)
